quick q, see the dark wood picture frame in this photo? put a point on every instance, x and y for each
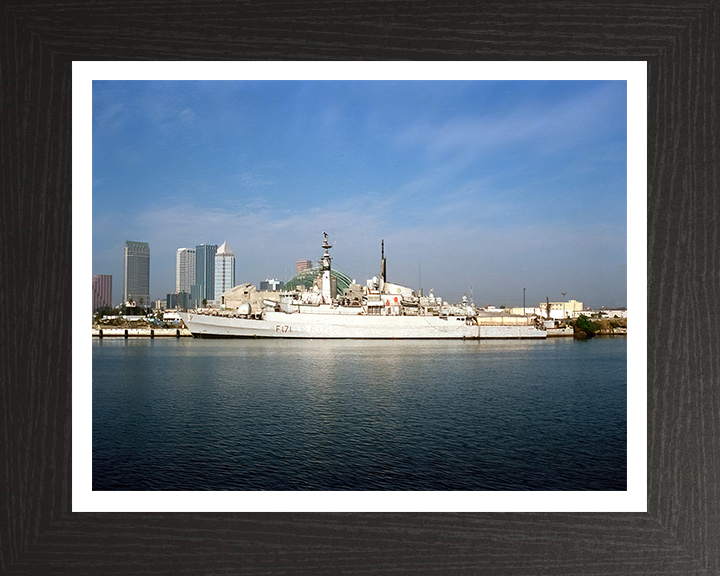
(680, 533)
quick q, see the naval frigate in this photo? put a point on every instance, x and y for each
(377, 310)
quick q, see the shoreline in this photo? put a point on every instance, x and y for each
(185, 333)
(141, 333)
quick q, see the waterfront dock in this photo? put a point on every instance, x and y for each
(140, 332)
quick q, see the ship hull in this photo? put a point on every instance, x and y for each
(282, 325)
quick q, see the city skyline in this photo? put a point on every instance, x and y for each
(483, 187)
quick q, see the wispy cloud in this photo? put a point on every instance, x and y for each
(111, 118)
(187, 116)
(254, 180)
(559, 127)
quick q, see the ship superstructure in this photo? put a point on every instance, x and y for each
(379, 309)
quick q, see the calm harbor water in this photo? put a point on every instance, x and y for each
(188, 414)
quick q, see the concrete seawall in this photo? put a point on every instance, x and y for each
(555, 332)
(140, 332)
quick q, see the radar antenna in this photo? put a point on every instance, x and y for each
(325, 260)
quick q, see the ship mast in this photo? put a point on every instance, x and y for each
(383, 270)
(325, 268)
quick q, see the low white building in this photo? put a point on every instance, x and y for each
(557, 310)
(612, 312)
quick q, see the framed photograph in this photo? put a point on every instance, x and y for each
(46, 532)
(502, 178)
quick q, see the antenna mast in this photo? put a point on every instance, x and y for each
(383, 272)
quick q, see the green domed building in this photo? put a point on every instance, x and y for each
(306, 279)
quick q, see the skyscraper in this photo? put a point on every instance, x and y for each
(224, 270)
(184, 269)
(272, 284)
(136, 281)
(101, 291)
(204, 288)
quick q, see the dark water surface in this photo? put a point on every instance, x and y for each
(187, 414)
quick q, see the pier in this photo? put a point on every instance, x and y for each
(140, 332)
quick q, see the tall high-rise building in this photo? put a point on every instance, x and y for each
(301, 265)
(101, 291)
(224, 270)
(136, 282)
(184, 269)
(272, 284)
(204, 287)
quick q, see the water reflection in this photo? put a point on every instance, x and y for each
(409, 415)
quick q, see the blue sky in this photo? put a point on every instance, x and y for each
(494, 185)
